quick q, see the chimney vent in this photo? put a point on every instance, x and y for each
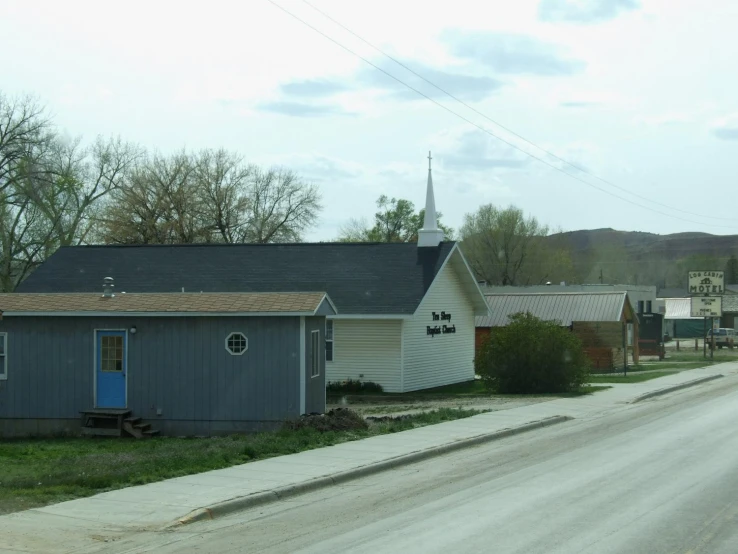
(108, 287)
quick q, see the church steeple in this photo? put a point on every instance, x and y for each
(430, 234)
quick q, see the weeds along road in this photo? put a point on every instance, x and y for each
(657, 477)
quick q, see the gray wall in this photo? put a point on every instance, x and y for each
(178, 365)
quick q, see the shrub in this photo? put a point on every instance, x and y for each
(339, 419)
(531, 356)
(351, 386)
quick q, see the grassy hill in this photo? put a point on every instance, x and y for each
(639, 258)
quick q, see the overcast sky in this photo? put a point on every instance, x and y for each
(640, 93)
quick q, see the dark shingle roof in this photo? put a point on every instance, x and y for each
(360, 278)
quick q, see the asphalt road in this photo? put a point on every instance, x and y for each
(657, 477)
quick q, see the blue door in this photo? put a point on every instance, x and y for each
(111, 369)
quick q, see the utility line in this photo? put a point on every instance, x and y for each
(500, 125)
(487, 131)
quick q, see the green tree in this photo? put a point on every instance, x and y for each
(731, 270)
(532, 356)
(395, 221)
(504, 247)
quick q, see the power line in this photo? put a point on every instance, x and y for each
(500, 125)
(487, 131)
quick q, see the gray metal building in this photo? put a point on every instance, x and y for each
(185, 363)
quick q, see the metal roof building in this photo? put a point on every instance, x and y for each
(565, 307)
(679, 308)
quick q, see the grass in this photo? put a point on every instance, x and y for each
(630, 378)
(668, 365)
(37, 472)
(719, 355)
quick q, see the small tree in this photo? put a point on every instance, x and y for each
(396, 221)
(731, 270)
(532, 356)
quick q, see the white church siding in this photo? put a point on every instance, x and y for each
(367, 350)
(446, 358)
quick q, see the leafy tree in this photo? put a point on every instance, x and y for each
(532, 356)
(396, 221)
(506, 248)
(731, 270)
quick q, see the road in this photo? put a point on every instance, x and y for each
(657, 477)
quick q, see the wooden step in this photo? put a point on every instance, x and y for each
(142, 426)
(151, 433)
(133, 420)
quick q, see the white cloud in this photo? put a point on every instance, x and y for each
(726, 128)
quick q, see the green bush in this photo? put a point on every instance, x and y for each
(531, 356)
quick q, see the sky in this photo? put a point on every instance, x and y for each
(639, 96)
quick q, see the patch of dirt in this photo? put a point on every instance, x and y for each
(395, 409)
(335, 419)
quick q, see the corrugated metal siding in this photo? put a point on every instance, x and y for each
(679, 308)
(433, 361)
(564, 307)
(366, 349)
(177, 364)
(314, 386)
(730, 303)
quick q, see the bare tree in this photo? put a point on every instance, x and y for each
(355, 230)
(223, 185)
(74, 180)
(281, 206)
(158, 204)
(24, 129)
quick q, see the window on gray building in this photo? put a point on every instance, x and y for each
(640, 306)
(237, 344)
(328, 340)
(315, 354)
(3, 356)
(648, 306)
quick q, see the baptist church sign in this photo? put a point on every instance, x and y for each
(440, 329)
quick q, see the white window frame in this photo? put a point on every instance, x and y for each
(228, 338)
(314, 354)
(331, 340)
(4, 357)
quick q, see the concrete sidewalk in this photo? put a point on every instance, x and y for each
(81, 525)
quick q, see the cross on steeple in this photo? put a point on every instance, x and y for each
(429, 160)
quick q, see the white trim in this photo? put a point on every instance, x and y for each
(363, 316)
(471, 276)
(4, 374)
(332, 341)
(156, 314)
(303, 377)
(402, 356)
(476, 283)
(94, 362)
(231, 352)
(314, 354)
(435, 280)
(330, 303)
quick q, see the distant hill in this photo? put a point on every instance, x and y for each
(635, 257)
